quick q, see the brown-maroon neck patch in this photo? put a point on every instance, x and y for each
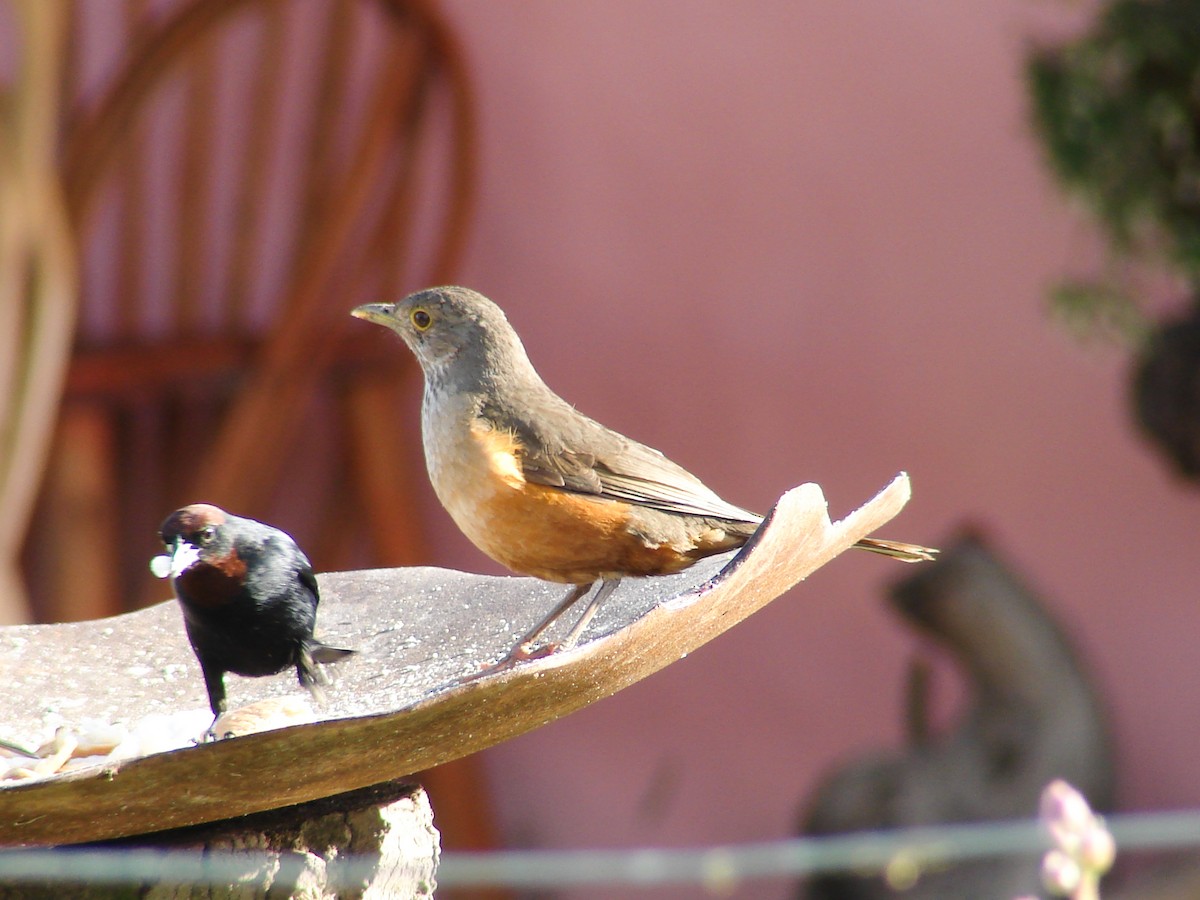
(212, 581)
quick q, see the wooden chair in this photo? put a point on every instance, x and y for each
(249, 172)
(37, 280)
(239, 174)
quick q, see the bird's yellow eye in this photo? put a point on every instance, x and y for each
(206, 535)
(420, 318)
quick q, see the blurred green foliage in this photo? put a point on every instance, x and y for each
(1098, 308)
(1118, 111)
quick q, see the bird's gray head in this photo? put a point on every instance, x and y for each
(457, 335)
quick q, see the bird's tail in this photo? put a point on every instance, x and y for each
(323, 653)
(897, 550)
(309, 671)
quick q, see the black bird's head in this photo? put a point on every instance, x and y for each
(199, 536)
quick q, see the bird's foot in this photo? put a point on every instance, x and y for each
(522, 652)
(526, 651)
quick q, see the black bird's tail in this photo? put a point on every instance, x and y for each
(323, 653)
(308, 667)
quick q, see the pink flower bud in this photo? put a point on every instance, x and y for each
(1060, 873)
(1097, 849)
(1065, 813)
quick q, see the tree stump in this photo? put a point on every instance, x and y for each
(375, 843)
(1033, 716)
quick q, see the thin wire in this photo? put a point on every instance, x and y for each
(862, 852)
(913, 849)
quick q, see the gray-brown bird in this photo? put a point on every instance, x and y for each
(540, 487)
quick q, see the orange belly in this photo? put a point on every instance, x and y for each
(561, 536)
(534, 529)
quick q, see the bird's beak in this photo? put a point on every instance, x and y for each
(379, 313)
(182, 557)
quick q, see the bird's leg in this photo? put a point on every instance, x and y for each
(214, 683)
(310, 675)
(524, 648)
(607, 586)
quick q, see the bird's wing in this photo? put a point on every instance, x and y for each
(617, 468)
(309, 580)
(286, 558)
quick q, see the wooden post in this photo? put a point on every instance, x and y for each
(311, 850)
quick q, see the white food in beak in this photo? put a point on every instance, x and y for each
(160, 566)
(184, 557)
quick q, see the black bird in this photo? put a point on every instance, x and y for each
(249, 599)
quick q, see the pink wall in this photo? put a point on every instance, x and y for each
(813, 240)
(799, 240)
